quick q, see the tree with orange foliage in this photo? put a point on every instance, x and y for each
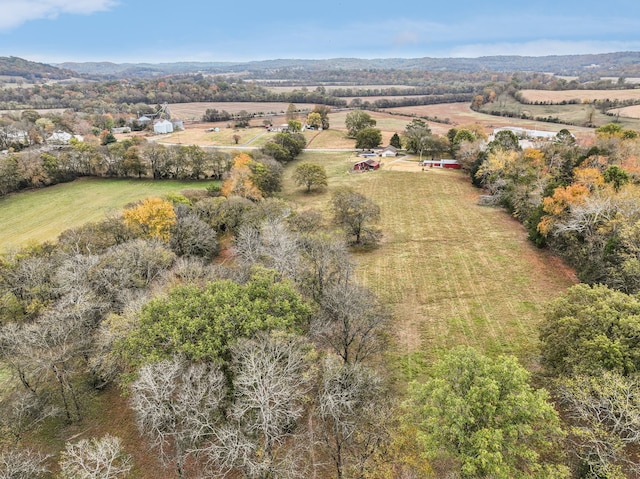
(152, 218)
(240, 180)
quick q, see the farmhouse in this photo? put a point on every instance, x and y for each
(366, 165)
(388, 151)
(442, 163)
(62, 138)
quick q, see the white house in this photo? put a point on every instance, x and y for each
(388, 151)
(62, 138)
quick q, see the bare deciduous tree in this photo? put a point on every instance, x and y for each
(351, 322)
(53, 348)
(22, 464)
(262, 438)
(271, 244)
(177, 404)
(605, 411)
(326, 261)
(351, 415)
(96, 458)
(21, 410)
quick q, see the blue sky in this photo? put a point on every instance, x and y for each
(53, 31)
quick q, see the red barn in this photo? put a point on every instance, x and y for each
(443, 163)
(366, 165)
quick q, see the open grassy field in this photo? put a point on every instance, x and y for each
(41, 215)
(453, 272)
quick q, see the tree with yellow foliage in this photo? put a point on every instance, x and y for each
(240, 180)
(152, 218)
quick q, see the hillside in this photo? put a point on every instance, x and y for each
(32, 71)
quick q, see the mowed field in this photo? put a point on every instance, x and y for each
(41, 215)
(452, 272)
(580, 95)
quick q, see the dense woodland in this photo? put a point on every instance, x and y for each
(234, 326)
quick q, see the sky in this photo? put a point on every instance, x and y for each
(156, 31)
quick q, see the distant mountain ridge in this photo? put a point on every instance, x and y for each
(620, 63)
(609, 64)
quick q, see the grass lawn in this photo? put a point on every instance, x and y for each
(453, 272)
(41, 215)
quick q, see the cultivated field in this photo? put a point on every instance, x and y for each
(580, 95)
(41, 215)
(453, 272)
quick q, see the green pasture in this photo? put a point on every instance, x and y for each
(41, 215)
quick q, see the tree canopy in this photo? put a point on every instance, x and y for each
(592, 328)
(368, 138)
(357, 120)
(354, 212)
(310, 175)
(202, 323)
(482, 414)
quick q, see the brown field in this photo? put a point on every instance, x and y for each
(627, 111)
(581, 95)
(371, 99)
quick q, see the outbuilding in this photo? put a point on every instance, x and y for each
(442, 163)
(366, 165)
(162, 126)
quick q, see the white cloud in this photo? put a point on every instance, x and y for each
(17, 12)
